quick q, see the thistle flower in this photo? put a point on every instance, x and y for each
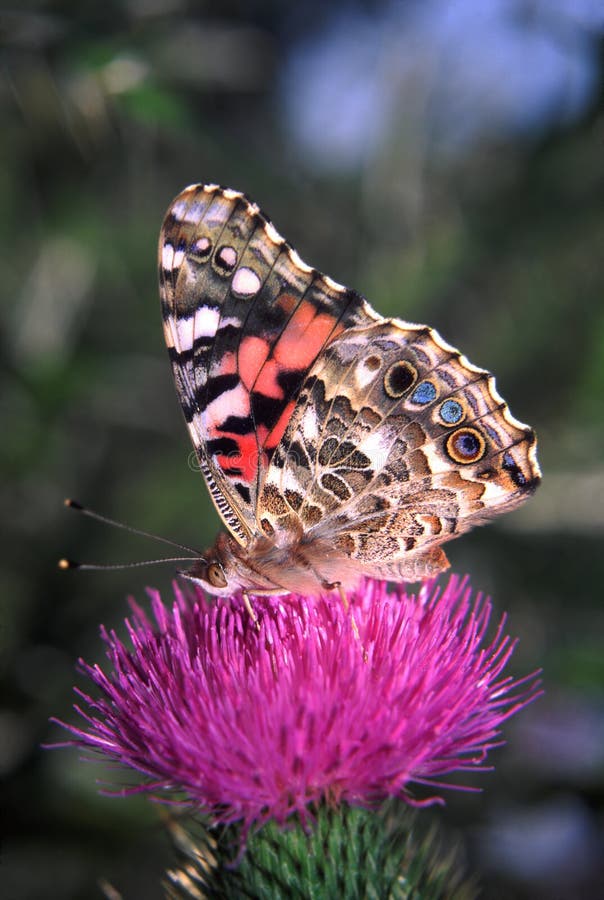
(254, 721)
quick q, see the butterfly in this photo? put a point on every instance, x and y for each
(335, 443)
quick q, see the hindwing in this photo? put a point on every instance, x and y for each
(397, 444)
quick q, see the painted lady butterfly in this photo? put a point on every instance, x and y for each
(334, 442)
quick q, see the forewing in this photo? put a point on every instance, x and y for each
(244, 320)
(397, 444)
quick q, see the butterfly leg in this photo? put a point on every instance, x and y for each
(250, 609)
(337, 585)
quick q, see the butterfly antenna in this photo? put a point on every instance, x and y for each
(71, 564)
(73, 504)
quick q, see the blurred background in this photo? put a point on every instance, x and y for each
(443, 157)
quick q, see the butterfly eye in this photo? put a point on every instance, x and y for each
(215, 576)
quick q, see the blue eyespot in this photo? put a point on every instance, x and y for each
(466, 445)
(424, 393)
(451, 412)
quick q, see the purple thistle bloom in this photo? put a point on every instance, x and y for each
(258, 721)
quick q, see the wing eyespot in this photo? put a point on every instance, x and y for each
(424, 393)
(201, 249)
(451, 412)
(225, 260)
(400, 377)
(465, 446)
(372, 363)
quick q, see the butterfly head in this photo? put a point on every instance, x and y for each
(228, 568)
(209, 573)
(223, 570)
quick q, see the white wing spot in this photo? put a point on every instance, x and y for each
(228, 257)
(235, 402)
(231, 320)
(206, 321)
(167, 257)
(309, 425)
(494, 494)
(373, 446)
(365, 373)
(201, 245)
(245, 282)
(184, 333)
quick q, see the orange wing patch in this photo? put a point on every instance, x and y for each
(253, 353)
(304, 337)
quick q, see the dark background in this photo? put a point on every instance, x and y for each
(444, 158)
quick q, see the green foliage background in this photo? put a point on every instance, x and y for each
(108, 110)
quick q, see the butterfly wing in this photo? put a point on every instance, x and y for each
(396, 445)
(244, 320)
